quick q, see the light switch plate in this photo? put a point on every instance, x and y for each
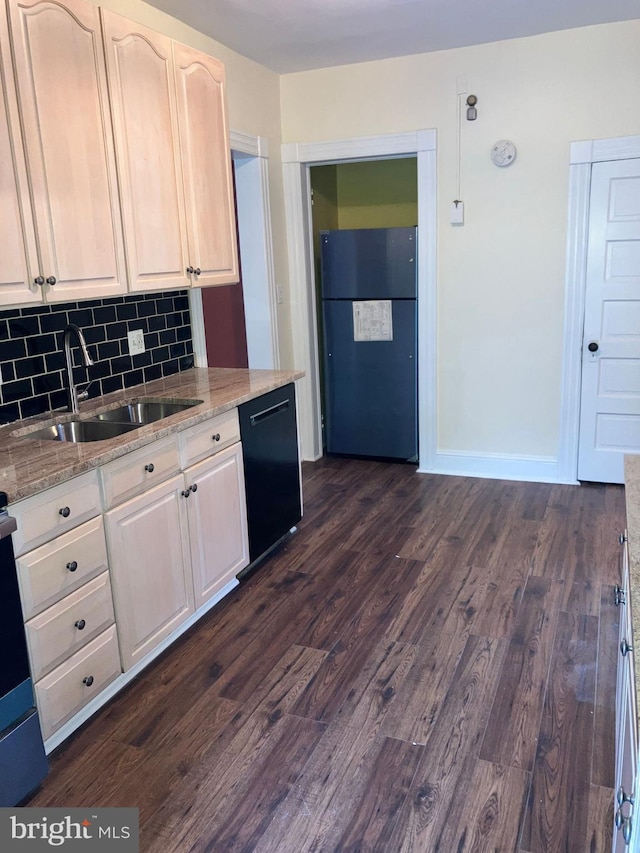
(136, 341)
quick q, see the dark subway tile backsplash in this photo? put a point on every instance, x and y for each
(31, 342)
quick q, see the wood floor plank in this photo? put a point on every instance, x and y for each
(604, 719)
(600, 820)
(511, 735)
(420, 696)
(318, 811)
(374, 815)
(331, 685)
(487, 817)
(451, 751)
(558, 805)
(245, 813)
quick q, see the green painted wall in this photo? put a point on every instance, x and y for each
(378, 194)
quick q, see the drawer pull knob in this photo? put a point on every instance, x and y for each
(80, 624)
(64, 511)
(88, 680)
(72, 566)
(216, 437)
(194, 488)
(150, 467)
(625, 647)
(185, 493)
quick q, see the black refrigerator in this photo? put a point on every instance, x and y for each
(369, 317)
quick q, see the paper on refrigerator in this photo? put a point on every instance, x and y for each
(373, 320)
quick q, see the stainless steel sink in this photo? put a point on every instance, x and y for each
(81, 431)
(146, 411)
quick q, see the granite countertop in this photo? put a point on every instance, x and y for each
(632, 499)
(31, 465)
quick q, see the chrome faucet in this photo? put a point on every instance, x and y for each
(74, 394)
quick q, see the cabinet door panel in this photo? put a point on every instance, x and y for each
(217, 521)
(150, 569)
(147, 144)
(17, 236)
(62, 95)
(204, 140)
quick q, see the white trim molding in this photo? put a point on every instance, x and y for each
(497, 466)
(296, 160)
(583, 155)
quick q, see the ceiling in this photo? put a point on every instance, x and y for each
(297, 35)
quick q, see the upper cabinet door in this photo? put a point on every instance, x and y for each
(204, 140)
(142, 89)
(19, 265)
(62, 97)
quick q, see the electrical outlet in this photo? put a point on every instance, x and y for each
(136, 341)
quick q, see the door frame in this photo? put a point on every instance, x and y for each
(583, 155)
(297, 158)
(251, 156)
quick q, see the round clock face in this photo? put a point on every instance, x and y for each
(503, 153)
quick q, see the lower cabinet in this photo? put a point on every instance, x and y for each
(217, 521)
(76, 681)
(625, 832)
(148, 546)
(183, 536)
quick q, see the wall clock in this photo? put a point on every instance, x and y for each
(503, 153)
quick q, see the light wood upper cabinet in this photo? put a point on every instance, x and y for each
(66, 123)
(206, 157)
(17, 235)
(142, 90)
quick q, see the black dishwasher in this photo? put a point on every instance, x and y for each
(271, 468)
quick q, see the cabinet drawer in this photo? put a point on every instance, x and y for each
(136, 472)
(54, 511)
(208, 437)
(48, 573)
(75, 682)
(67, 626)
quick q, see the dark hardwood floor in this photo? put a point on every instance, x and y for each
(428, 665)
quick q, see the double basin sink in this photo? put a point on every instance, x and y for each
(113, 422)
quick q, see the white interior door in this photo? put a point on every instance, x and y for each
(610, 398)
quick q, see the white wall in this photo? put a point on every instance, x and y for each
(501, 275)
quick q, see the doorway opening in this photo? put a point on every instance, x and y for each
(348, 196)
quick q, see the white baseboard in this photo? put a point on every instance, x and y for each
(497, 466)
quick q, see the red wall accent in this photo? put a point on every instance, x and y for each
(224, 326)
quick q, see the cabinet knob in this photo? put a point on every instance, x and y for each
(39, 280)
(197, 270)
(88, 680)
(51, 280)
(194, 488)
(216, 437)
(625, 647)
(64, 511)
(72, 566)
(623, 538)
(80, 624)
(150, 467)
(185, 493)
(190, 270)
(622, 798)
